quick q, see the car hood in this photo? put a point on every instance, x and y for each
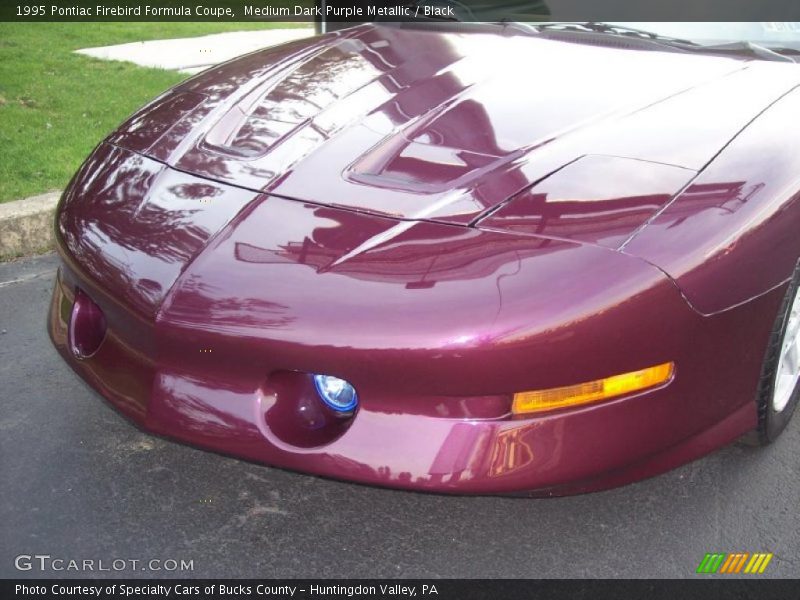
(443, 125)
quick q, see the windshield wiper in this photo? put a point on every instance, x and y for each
(756, 50)
(606, 28)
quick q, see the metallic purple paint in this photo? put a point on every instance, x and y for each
(408, 210)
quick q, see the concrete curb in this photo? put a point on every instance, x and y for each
(26, 226)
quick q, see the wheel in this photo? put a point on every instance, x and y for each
(779, 389)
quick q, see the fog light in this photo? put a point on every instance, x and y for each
(87, 326)
(336, 393)
(592, 391)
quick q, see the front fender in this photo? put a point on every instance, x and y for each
(732, 234)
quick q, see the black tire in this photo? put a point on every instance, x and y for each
(770, 422)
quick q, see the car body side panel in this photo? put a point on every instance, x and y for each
(733, 233)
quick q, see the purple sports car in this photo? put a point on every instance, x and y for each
(470, 258)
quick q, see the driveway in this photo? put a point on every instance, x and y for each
(195, 54)
(80, 482)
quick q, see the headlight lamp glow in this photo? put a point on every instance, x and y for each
(337, 393)
(592, 391)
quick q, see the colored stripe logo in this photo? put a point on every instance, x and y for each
(737, 562)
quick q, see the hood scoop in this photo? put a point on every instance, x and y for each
(271, 113)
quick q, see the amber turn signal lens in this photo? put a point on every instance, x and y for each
(592, 391)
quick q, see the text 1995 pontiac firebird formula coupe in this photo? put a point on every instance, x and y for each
(472, 258)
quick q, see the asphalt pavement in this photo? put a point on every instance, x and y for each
(79, 482)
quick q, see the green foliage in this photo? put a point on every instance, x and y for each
(55, 105)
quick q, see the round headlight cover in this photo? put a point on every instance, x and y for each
(337, 393)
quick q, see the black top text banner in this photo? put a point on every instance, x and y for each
(358, 11)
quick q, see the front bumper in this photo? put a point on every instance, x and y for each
(441, 445)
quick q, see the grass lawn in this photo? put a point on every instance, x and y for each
(55, 106)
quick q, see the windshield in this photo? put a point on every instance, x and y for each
(769, 35)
